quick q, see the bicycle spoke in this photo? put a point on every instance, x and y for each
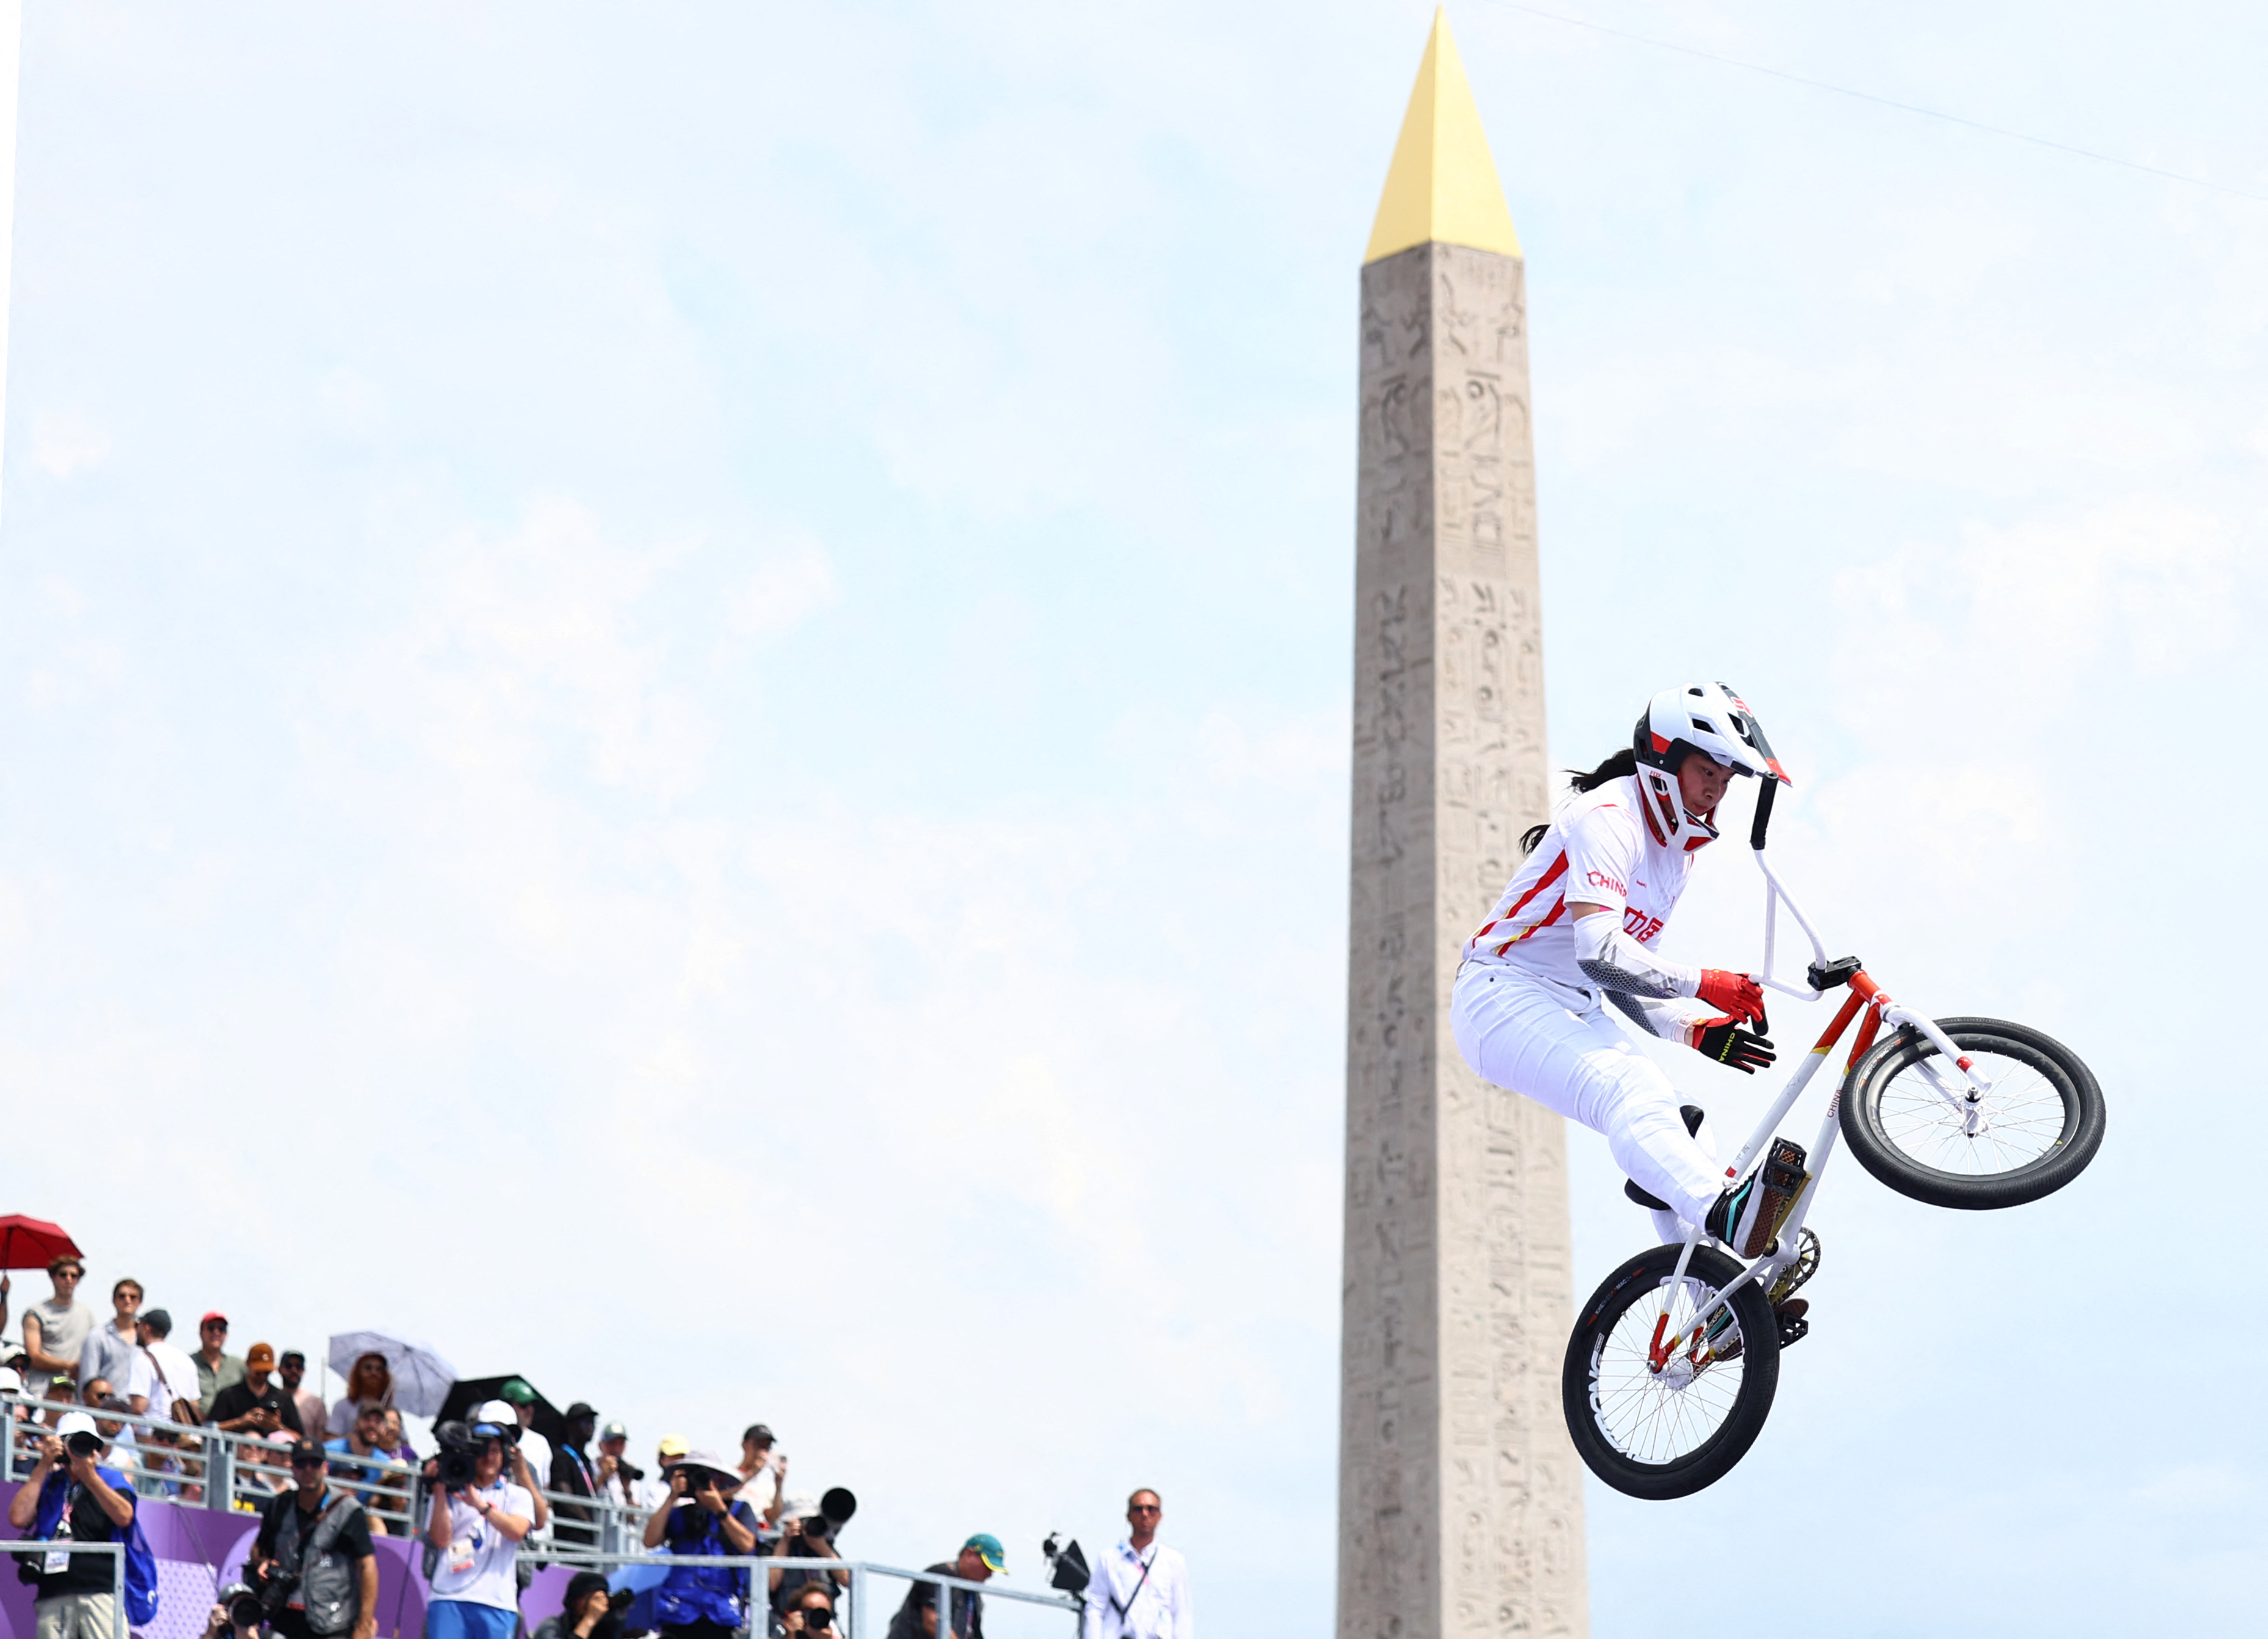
(1644, 1417)
(2024, 1111)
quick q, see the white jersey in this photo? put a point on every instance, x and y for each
(1600, 849)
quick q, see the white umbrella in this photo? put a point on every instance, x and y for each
(421, 1377)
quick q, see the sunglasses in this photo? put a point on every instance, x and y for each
(1143, 1508)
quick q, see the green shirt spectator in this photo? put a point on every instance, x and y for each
(216, 1371)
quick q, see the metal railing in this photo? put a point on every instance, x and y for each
(861, 1573)
(200, 1466)
(117, 1552)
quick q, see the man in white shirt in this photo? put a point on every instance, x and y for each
(1141, 1589)
(173, 1374)
(762, 1470)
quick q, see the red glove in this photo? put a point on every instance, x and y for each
(1733, 994)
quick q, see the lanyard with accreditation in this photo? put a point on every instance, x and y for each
(1121, 1608)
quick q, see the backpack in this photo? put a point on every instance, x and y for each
(141, 1563)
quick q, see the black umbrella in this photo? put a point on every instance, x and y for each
(468, 1394)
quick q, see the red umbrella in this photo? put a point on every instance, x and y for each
(32, 1243)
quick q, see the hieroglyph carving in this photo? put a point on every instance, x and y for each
(1460, 1496)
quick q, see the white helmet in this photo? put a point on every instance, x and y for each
(1707, 717)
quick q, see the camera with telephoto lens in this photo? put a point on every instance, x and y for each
(835, 1512)
(259, 1601)
(79, 1443)
(460, 1451)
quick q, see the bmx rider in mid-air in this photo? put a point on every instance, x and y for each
(1576, 930)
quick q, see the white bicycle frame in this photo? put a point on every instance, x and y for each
(1968, 1101)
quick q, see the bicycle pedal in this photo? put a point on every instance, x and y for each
(1793, 1331)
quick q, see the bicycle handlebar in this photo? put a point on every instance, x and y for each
(1763, 814)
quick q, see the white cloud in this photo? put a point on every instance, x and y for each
(65, 444)
(783, 591)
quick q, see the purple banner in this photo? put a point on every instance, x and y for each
(200, 1551)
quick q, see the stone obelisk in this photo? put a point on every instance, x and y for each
(1460, 1502)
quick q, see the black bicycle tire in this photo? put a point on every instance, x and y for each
(2084, 1117)
(1713, 1460)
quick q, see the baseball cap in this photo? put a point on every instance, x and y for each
(672, 1445)
(516, 1391)
(580, 1408)
(259, 1354)
(497, 1414)
(75, 1423)
(12, 1381)
(158, 1321)
(214, 1314)
(988, 1549)
(613, 1432)
(290, 1355)
(307, 1451)
(802, 1505)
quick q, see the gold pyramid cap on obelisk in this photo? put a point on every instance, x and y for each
(1442, 183)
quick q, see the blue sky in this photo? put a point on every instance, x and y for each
(675, 687)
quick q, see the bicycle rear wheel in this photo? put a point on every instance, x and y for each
(1671, 1433)
(2043, 1120)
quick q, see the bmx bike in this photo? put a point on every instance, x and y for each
(1674, 1361)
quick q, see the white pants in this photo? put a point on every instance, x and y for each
(1517, 1034)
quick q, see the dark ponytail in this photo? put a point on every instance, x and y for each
(1621, 766)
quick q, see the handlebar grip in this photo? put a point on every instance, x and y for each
(1763, 814)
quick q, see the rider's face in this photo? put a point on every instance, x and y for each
(1701, 782)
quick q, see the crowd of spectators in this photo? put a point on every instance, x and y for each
(697, 1504)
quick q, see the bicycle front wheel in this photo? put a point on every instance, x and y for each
(1665, 1434)
(1908, 1119)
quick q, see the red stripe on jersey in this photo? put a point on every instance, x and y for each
(1558, 870)
(1536, 928)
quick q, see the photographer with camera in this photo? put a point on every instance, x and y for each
(701, 1519)
(71, 1496)
(811, 1612)
(808, 1531)
(222, 1623)
(478, 1520)
(315, 1571)
(617, 1475)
